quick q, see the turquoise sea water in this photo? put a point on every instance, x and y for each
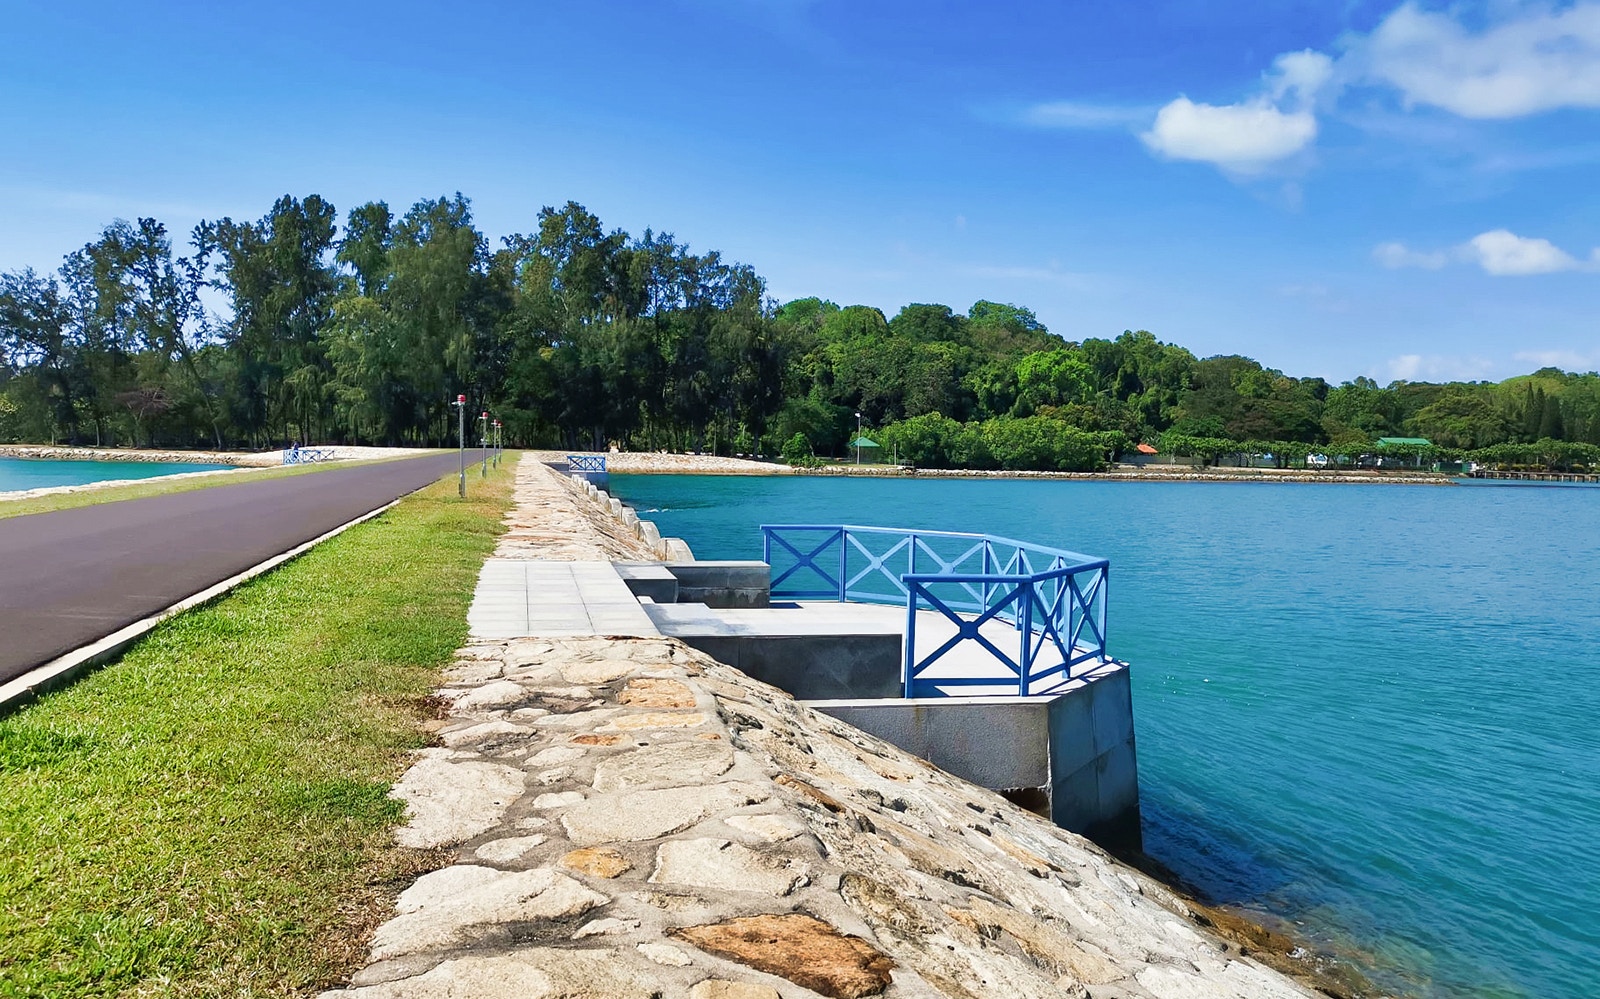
(37, 473)
(1372, 711)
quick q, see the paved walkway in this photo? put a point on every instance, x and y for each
(72, 577)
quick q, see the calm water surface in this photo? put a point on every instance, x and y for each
(37, 473)
(1373, 711)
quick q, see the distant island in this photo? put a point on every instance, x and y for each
(577, 337)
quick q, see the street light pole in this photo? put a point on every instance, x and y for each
(858, 438)
(483, 442)
(461, 443)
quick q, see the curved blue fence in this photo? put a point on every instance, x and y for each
(586, 462)
(1054, 599)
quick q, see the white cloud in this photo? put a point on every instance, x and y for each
(1438, 367)
(1080, 114)
(1505, 254)
(1539, 60)
(1244, 138)
(1251, 135)
(1499, 252)
(1397, 255)
(1569, 360)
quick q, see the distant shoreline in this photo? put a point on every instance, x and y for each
(662, 463)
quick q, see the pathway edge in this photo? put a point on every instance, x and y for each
(63, 669)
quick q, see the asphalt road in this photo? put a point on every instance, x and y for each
(72, 577)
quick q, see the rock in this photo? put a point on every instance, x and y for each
(651, 814)
(556, 776)
(725, 866)
(603, 671)
(449, 802)
(483, 732)
(721, 988)
(602, 862)
(535, 973)
(555, 756)
(450, 908)
(802, 949)
(671, 765)
(660, 953)
(595, 740)
(772, 828)
(648, 692)
(657, 719)
(509, 850)
(602, 927)
(557, 799)
(499, 694)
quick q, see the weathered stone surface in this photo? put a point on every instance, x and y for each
(657, 719)
(510, 849)
(489, 731)
(605, 927)
(802, 949)
(500, 694)
(656, 692)
(651, 814)
(602, 861)
(660, 953)
(535, 973)
(448, 802)
(725, 866)
(449, 908)
(555, 756)
(670, 765)
(600, 671)
(720, 988)
(772, 828)
(558, 799)
(590, 739)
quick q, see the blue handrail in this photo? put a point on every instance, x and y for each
(586, 462)
(1054, 598)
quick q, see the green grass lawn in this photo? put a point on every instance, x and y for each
(207, 817)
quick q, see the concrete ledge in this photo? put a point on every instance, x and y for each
(723, 583)
(1077, 747)
(649, 580)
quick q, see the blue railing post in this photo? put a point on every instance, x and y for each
(1025, 619)
(844, 561)
(910, 651)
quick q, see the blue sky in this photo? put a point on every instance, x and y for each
(1336, 189)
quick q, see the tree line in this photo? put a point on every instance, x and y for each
(300, 326)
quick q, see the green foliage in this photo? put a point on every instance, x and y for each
(576, 335)
(797, 451)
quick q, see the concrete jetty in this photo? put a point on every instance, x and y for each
(620, 815)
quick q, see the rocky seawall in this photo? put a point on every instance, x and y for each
(626, 817)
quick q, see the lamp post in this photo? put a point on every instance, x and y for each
(496, 443)
(461, 442)
(483, 442)
(858, 438)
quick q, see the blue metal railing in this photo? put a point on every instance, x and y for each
(586, 462)
(1054, 599)
(306, 455)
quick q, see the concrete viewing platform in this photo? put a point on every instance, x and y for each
(623, 816)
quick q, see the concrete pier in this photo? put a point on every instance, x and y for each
(1069, 750)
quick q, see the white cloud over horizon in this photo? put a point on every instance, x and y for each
(1438, 367)
(1499, 252)
(1538, 60)
(1529, 60)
